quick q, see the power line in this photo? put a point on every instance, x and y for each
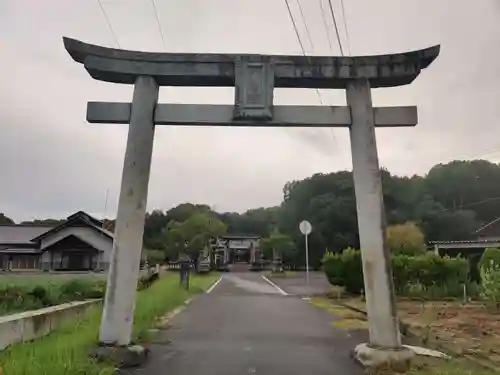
(109, 23)
(304, 51)
(325, 24)
(300, 39)
(305, 24)
(295, 27)
(470, 204)
(159, 24)
(336, 28)
(345, 27)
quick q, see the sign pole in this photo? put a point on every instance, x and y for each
(307, 258)
(305, 228)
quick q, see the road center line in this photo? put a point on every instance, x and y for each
(274, 285)
(209, 290)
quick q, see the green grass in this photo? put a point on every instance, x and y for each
(29, 293)
(65, 351)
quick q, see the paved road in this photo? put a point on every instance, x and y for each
(245, 326)
(296, 283)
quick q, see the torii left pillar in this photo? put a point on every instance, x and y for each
(117, 320)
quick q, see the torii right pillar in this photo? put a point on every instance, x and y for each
(385, 339)
(384, 347)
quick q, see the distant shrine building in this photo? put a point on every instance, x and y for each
(231, 249)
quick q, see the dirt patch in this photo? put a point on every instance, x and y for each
(470, 330)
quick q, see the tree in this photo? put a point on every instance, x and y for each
(4, 220)
(447, 225)
(258, 221)
(193, 234)
(154, 256)
(461, 185)
(278, 245)
(158, 220)
(328, 202)
(51, 222)
(405, 239)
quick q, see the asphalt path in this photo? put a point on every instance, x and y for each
(247, 324)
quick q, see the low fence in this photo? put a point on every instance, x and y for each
(30, 325)
(264, 266)
(174, 266)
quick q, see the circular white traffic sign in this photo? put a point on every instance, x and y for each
(305, 227)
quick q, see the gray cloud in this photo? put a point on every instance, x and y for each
(52, 163)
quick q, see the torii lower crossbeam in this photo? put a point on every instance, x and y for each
(222, 115)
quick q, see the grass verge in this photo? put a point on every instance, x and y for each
(22, 294)
(65, 351)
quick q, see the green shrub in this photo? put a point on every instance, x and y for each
(75, 289)
(345, 269)
(333, 267)
(417, 276)
(155, 257)
(490, 258)
(16, 298)
(405, 239)
(491, 283)
(82, 289)
(474, 290)
(96, 290)
(41, 294)
(431, 271)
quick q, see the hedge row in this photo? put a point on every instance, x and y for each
(426, 271)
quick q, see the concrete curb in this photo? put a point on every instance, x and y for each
(29, 325)
(163, 321)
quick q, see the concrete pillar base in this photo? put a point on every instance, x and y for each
(398, 360)
(122, 356)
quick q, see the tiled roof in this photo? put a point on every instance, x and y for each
(21, 233)
(79, 217)
(20, 250)
(463, 242)
(238, 237)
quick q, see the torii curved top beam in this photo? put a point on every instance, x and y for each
(193, 69)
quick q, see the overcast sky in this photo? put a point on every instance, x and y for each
(52, 163)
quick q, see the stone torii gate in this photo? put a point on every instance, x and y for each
(254, 78)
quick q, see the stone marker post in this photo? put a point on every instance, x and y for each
(118, 314)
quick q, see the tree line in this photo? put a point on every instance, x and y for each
(450, 202)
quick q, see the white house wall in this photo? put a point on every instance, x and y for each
(91, 236)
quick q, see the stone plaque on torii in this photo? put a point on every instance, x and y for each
(254, 78)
